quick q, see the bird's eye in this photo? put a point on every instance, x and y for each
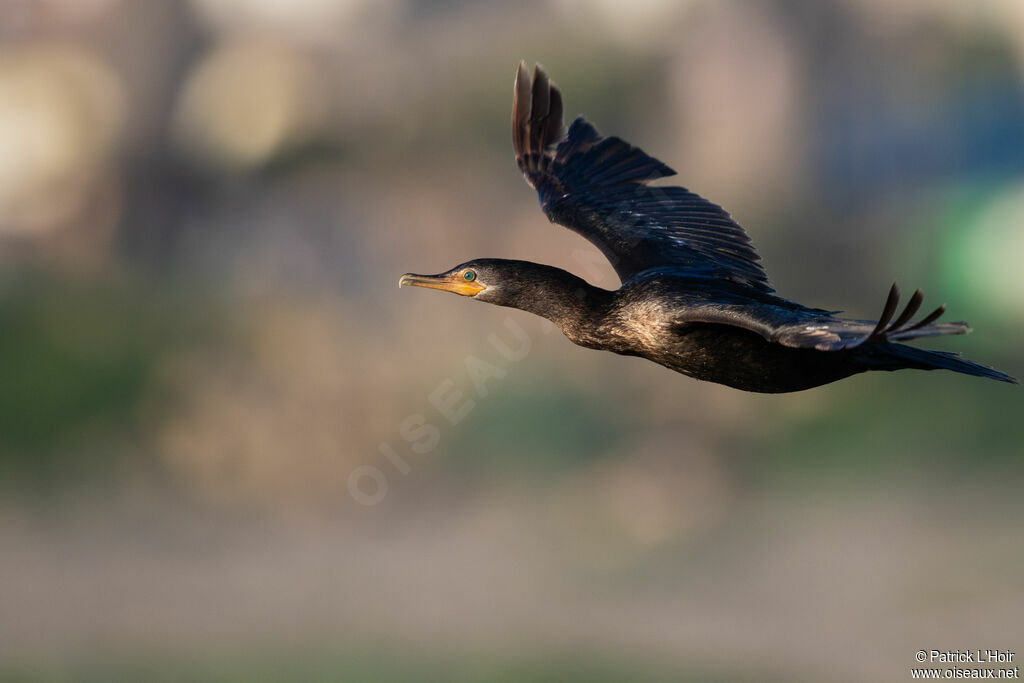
(469, 275)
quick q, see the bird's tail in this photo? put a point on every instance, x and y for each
(890, 356)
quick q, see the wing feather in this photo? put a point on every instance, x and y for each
(821, 330)
(597, 187)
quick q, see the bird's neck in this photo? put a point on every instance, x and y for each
(574, 305)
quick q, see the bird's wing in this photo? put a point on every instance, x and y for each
(597, 187)
(820, 330)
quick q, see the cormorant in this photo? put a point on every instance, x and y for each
(693, 297)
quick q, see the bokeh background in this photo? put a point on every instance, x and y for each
(223, 446)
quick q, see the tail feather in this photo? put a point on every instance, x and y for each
(897, 356)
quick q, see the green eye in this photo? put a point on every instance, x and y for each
(469, 275)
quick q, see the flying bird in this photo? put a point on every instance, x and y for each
(693, 296)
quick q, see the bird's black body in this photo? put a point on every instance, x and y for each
(714, 351)
(694, 296)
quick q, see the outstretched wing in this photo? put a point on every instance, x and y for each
(597, 187)
(811, 329)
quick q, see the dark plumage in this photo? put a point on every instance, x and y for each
(694, 296)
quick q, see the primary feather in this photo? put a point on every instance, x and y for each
(597, 187)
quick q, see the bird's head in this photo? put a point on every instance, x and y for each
(472, 278)
(495, 281)
(501, 281)
(553, 293)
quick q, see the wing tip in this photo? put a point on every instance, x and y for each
(536, 113)
(520, 106)
(901, 328)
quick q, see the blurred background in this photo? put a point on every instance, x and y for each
(231, 448)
